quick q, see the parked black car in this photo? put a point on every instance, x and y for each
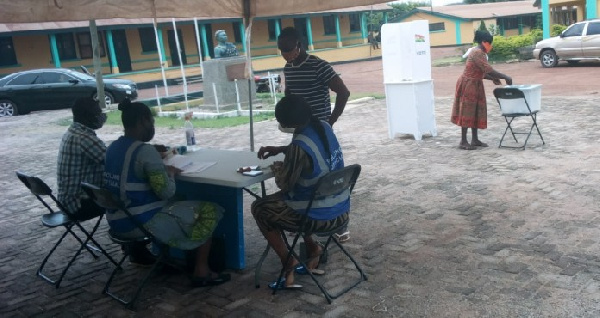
(55, 88)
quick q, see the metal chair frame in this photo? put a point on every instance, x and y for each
(332, 183)
(109, 201)
(62, 217)
(515, 93)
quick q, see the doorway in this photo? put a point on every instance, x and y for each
(173, 48)
(300, 25)
(121, 50)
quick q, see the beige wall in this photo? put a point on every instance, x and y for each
(32, 51)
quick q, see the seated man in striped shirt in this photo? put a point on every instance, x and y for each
(311, 77)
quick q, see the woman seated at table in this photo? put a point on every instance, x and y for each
(135, 172)
(313, 152)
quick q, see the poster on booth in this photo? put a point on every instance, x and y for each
(405, 50)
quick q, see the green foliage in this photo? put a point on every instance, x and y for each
(508, 47)
(374, 21)
(556, 29)
(494, 29)
(482, 26)
(399, 9)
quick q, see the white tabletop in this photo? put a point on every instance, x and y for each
(224, 172)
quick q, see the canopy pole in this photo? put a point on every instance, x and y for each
(97, 64)
(248, 24)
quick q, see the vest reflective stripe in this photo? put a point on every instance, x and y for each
(300, 206)
(325, 208)
(323, 167)
(137, 194)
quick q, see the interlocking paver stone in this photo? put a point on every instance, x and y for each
(441, 232)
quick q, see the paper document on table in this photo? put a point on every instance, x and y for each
(186, 164)
(198, 167)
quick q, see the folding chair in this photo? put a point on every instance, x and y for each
(61, 217)
(109, 201)
(513, 104)
(334, 182)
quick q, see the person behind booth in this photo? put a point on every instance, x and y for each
(135, 172)
(470, 107)
(81, 159)
(313, 152)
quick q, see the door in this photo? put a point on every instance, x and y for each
(591, 41)
(173, 48)
(26, 92)
(569, 43)
(121, 51)
(300, 25)
(63, 89)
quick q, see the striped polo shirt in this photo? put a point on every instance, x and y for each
(310, 80)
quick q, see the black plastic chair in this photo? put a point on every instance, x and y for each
(109, 201)
(333, 183)
(510, 96)
(57, 217)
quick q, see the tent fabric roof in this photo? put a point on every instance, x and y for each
(485, 10)
(28, 11)
(62, 25)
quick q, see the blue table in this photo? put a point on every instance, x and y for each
(222, 184)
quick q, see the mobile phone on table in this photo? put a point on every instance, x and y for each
(252, 173)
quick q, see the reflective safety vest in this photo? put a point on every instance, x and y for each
(120, 179)
(326, 208)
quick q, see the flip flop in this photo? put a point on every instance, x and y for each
(344, 237)
(301, 270)
(282, 286)
(483, 144)
(468, 147)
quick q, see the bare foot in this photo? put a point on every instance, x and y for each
(478, 143)
(466, 146)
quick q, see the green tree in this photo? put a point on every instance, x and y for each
(482, 26)
(399, 9)
(374, 21)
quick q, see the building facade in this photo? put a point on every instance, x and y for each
(135, 45)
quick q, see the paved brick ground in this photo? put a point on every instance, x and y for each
(441, 232)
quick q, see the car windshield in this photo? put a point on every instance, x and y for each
(80, 76)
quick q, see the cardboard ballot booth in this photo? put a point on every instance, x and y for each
(406, 57)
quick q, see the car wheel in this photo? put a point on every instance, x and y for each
(548, 58)
(108, 98)
(8, 108)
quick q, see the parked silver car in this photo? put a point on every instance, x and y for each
(580, 41)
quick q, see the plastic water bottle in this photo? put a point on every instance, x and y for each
(189, 133)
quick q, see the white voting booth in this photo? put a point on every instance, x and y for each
(406, 57)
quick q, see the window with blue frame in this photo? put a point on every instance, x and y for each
(329, 24)
(147, 39)
(7, 51)
(272, 33)
(354, 22)
(84, 39)
(66, 46)
(436, 27)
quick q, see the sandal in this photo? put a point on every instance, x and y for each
(210, 280)
(344, 237)
(281, 285)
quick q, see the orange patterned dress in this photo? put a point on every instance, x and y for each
(470, 108)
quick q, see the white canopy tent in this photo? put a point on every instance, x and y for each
(35, 11)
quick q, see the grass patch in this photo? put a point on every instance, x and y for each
(174, 122)
(447, 61)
